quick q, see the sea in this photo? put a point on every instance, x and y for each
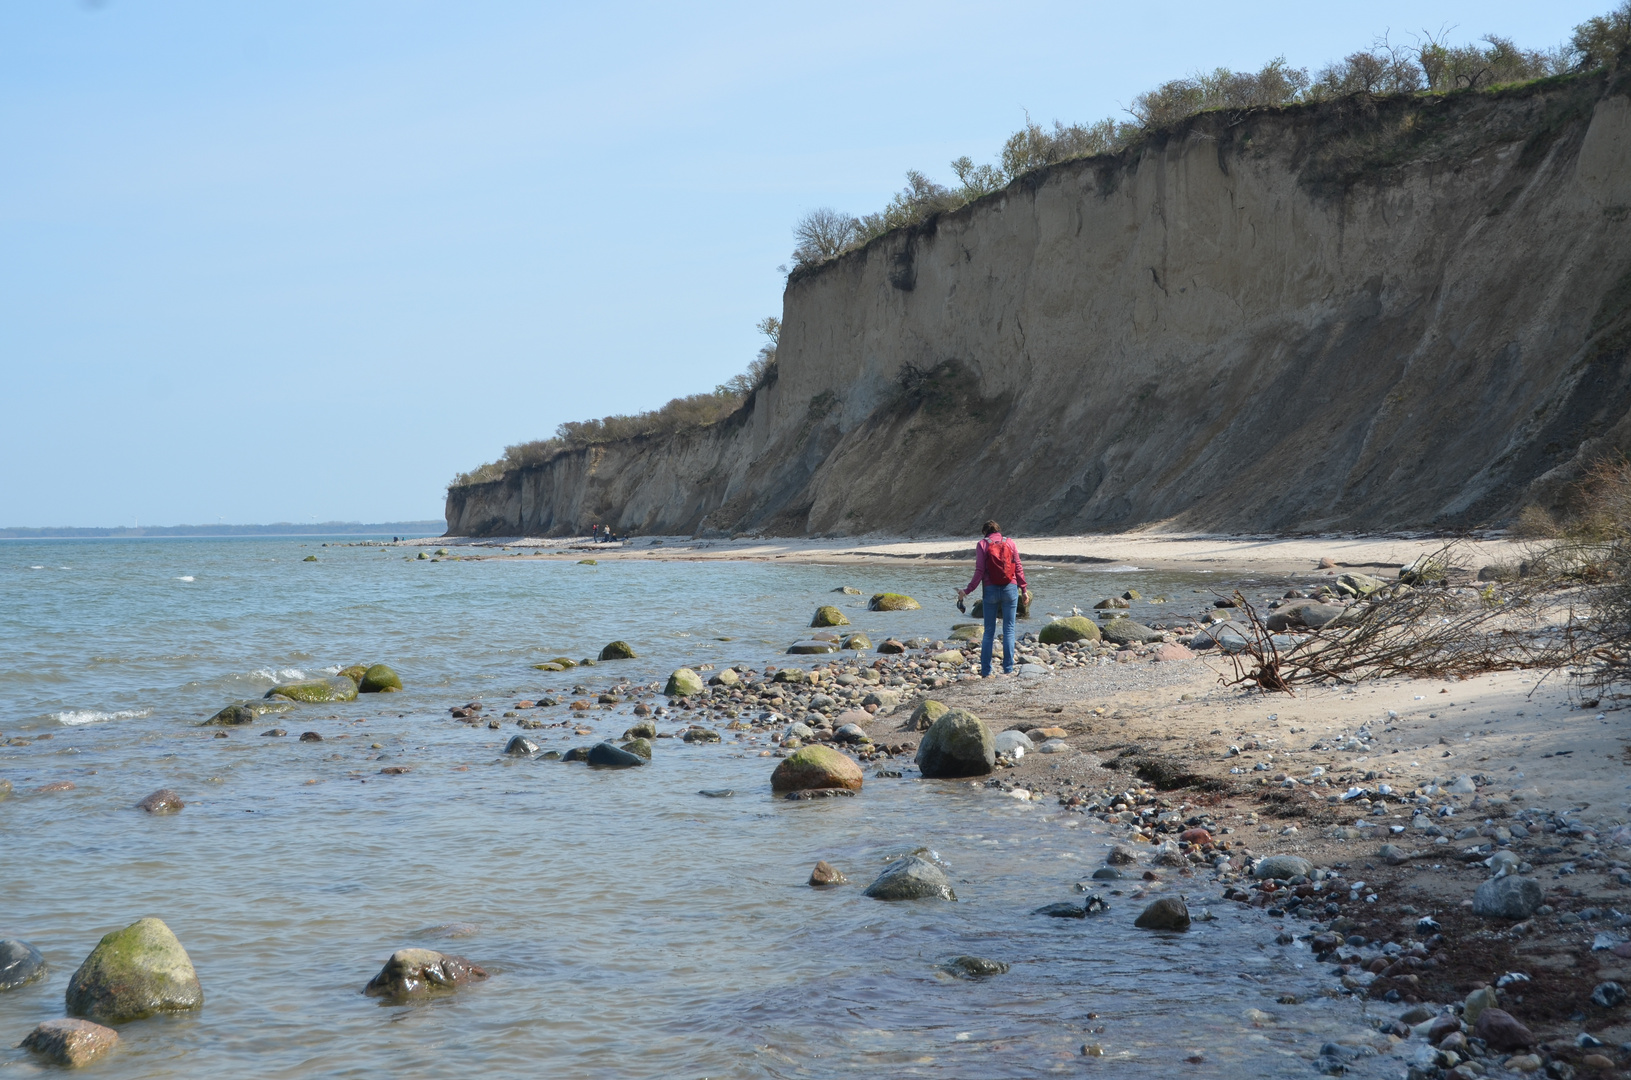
(631, 926)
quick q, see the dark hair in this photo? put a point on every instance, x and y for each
(990, 527)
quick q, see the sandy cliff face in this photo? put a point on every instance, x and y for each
(1362, 315)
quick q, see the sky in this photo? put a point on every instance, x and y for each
(305, 261)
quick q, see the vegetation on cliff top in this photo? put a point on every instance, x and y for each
(1429, 65)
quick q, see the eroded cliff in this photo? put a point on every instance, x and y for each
(1362, 315)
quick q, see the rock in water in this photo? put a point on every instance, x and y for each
(134, 973)
(1062, 910)
(857, 641)
(911, 878)
(825, 873)
(976, 966)
(70, 1043)
(231, 716)
(577, 753)
(162, 801)
(645, 729)
(638, 747)
(1070, 628)
(520, 746)
(889, 601)
(338, 688)
(1282, 867)
(958, 744)
(814, 767)
(606, 756)
(5, 789)
(379, 679)
(812, 648)
(617, 650)
(1501, 1031)
(683, 683)
(827, 615)
(1167, 913)
(412, 973)
(927, 712)
(20, 963)
(1509, 897)
(1127, 632)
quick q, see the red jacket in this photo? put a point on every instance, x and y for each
(979, 562)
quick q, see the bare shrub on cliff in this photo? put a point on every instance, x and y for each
(919, 200)
(1278, 83)
(822, 234)
(1474, 67)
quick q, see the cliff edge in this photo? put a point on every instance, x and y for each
(1367, 314)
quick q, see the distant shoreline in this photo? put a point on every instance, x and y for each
(281, 528)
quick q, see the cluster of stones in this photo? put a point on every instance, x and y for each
(143, 971)
(351, 681)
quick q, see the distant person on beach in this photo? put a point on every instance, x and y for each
(996, 564)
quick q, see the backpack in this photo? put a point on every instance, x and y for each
(1000, 562)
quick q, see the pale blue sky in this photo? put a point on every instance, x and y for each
(302, 260)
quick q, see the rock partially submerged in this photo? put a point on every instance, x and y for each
(911, 878)
(617, 650)
(315, 691)
(245, 712)
(134, 973)
(520, 746)
(683, 683)
(888, 601)
(815, 767)
(975, 967)
(606, 756)
(20, 964)
(827, 615)
(379, 679)
(958, 744)
(70, 1043)
(1167, 913)
(416, 973)
(162, 801)
(825, 874)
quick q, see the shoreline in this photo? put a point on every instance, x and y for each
(1141, 550)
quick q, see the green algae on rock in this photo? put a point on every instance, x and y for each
(616, 650)
(379, 679)
(814, 767)
(827, 615)
(246, 712)
(958, 744)
(134, 973)
(1070, 628)
(889, 601)
(337, 688)
(683, 683)
(857, 641)
(927, 712)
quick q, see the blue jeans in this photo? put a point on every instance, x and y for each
(1006, 597)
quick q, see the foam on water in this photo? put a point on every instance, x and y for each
(185, 577)
(75, 717)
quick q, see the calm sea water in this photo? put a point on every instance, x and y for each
(633, 928)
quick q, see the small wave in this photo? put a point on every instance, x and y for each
(287, 674)
(185, 577)
(36, 568)
(73, 717)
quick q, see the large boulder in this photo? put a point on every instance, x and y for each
(606, 756)
(134, 973)
(1282, 867)
(911, 878)
(827, 615)
(1302, 614)
(380, 679)
(958, 744)
(857, 640)
(314, 691)
(1502, 1032)
(70, 1043)
(617, 650)
(20, 963)
(638, 747)
(1128, 632)
(889, 601)
(1070, 628)
(520, 746)
(683, 683)
(925, 714)
(1167, 913)
(814, 767)
(1509, 897)
(414, 973)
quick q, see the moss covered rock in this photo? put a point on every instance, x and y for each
(645, 729)
(891, 601)
(1022, 607)
(957, 744)
(379, 679)
(1128, 632)
(791, 675)
(816, 767)
(927, 712)
(245, 712)
(857, 641)
(355, 672)
(966, 632)
(725, 677)
(133, 973)
(616, 650)
(827, 615)
(336, 688)
(640, 747)
(1070, 628)
(70, 1043)
(683, 683)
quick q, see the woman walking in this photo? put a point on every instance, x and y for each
(996, 564)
